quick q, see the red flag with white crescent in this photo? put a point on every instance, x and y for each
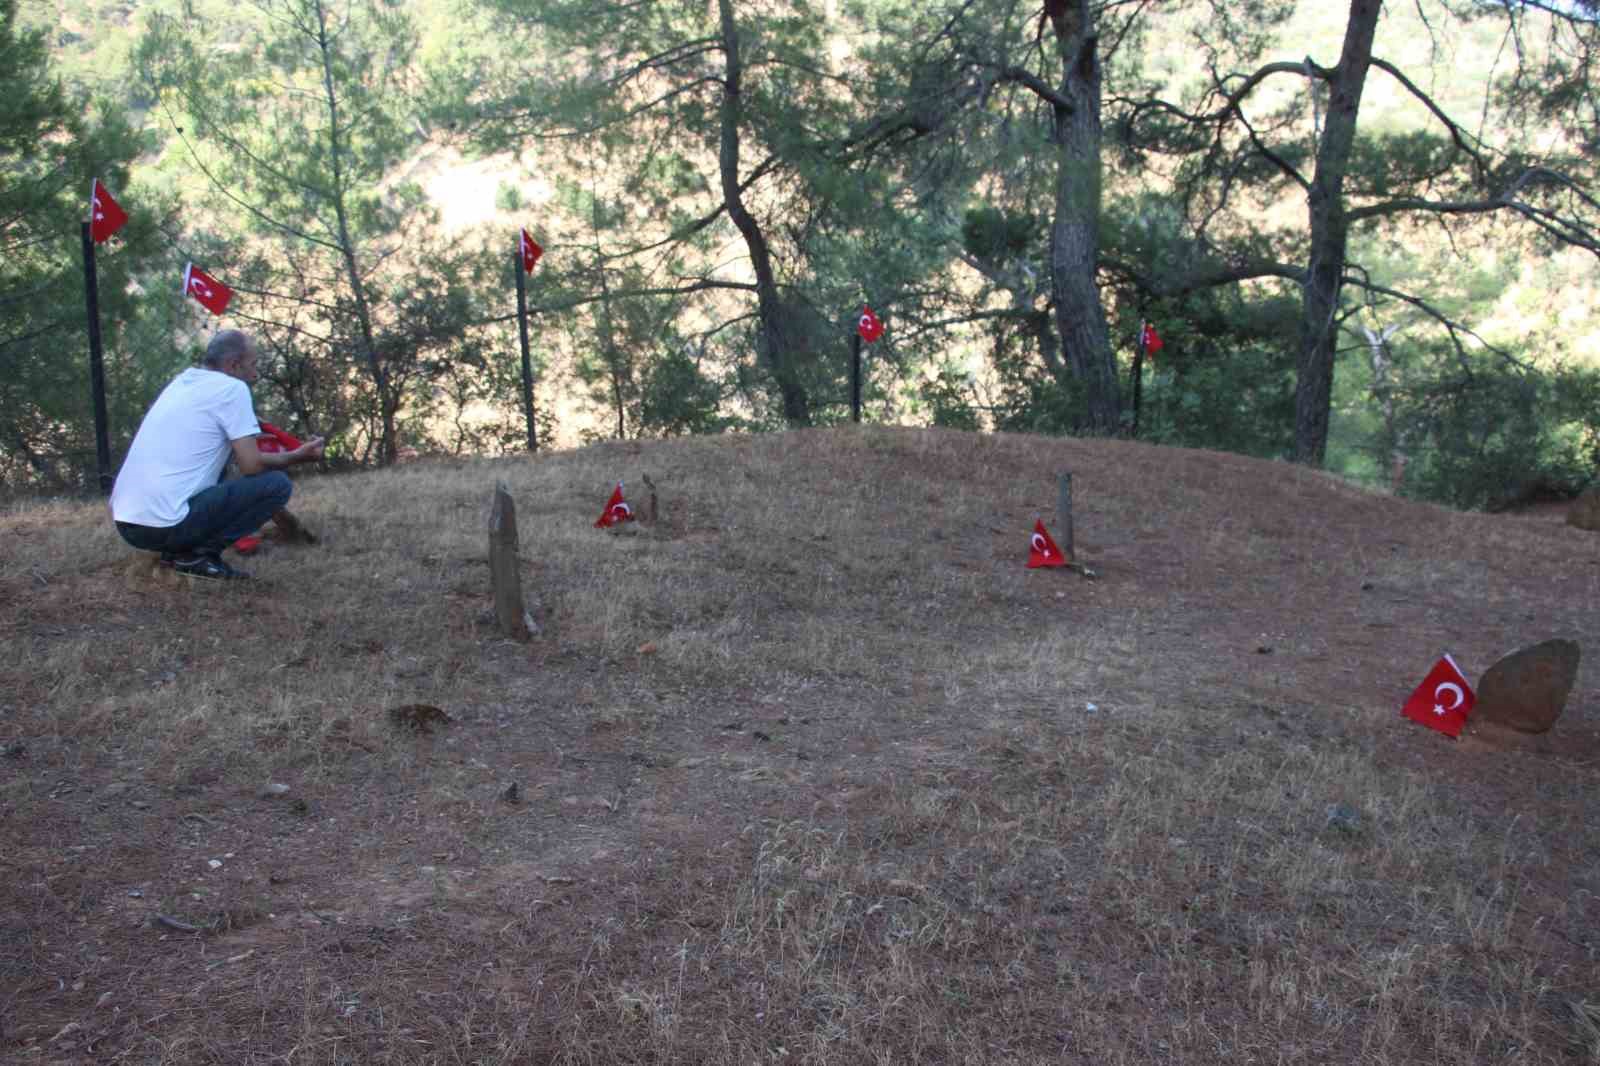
(617, 510)
(212, 294)
(870, 325)
(1149, 339)
(1443, 700)
(1042, 550)
(530, 251)
(106, 216)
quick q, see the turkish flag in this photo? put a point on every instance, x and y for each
(870, 327)
(1149, 339)
(530, 251)
(212, 294)
(273, 439)
(1042, 550)
(617, 510)
(106, 216)
(1443, 700)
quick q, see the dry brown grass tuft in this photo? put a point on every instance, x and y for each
(812, 770)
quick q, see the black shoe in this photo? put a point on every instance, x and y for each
(210, 566)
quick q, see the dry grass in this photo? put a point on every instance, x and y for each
(850, 804)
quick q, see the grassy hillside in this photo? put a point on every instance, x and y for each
(811, 770)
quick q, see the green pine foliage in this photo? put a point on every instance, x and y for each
(300, 116)
(54, 141)
(888, 154)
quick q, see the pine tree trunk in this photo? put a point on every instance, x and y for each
(387, 403)
(1330, 235)
(1075, 233)
(776, 344)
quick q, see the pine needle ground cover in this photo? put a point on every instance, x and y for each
(811, 770)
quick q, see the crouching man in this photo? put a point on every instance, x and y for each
(167, 498)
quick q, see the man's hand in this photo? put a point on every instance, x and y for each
(252, 460)
(309, 452)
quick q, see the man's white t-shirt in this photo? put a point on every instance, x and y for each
(182, 446)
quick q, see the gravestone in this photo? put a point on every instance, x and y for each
(505, 568)
(1585, 510)
(1527, 690)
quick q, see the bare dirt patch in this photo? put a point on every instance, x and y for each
(811, 770)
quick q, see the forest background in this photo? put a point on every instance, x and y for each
(1367, 232)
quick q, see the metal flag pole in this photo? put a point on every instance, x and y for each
(522, 333)
(855, 375)
(1138, 379)
(97, 365)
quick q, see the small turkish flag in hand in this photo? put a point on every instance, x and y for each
(617, 510)
(106, 216)
(273, 439)
(1149, 339)
(870, 327)
(1042, 550)
(1443, 700)
(212, 294)
(530, 251)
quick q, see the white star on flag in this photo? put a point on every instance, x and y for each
(212, 294)
(1427, 703)
(106, 216)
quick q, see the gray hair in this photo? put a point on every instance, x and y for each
(225, 347)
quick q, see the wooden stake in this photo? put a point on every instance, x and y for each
(1064, 515)
(504, 568)
(650, 512)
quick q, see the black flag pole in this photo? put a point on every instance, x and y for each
(522, 333)
(1138, 379)
(97, 366)
(855, 375)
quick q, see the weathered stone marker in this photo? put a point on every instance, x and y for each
(504, 573)
(291, 530)
(1064, 539)
(1585, 510)
(1527, 690)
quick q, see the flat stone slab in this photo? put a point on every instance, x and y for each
(1528, 689)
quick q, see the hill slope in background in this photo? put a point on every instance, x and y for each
(1492, 278)
(810, 769)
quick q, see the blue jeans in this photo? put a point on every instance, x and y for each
(217, 517)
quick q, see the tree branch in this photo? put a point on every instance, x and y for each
(580, 301)
(1462, 139)
(1566, 230)
(1021, 314)
(25, 337)
(255, 211)
(1455, 329)
(1272, 157)
(766, 166)
(1231, 100)
(1206, 275)
(1034, 84)
(1416, 203)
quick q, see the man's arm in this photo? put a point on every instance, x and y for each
(253, 460)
